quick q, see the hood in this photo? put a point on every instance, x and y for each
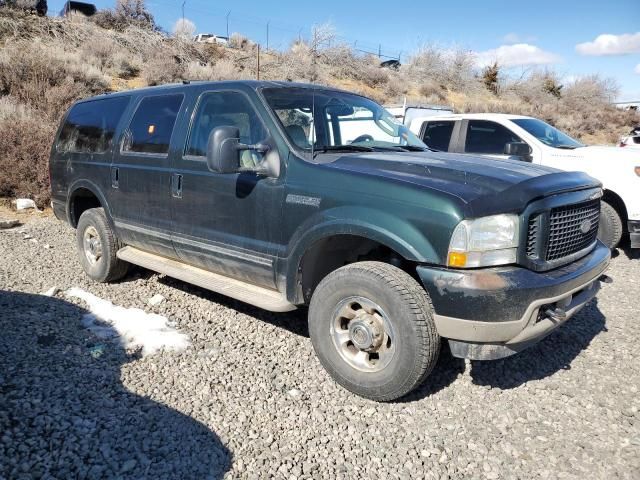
(482, 185)
(609, 153)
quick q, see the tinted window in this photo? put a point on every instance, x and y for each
(90, 126)
(152, 125)
(438, 134)
(224, 109)
(488, 137)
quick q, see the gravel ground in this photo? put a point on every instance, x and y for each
(250, 400)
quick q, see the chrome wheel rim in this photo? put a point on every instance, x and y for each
(92, 245)
(363, 334)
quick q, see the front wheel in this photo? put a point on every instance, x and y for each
(610, 229)
(371, 325)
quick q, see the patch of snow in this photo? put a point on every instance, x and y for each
(132, 326)
(25, 204)
(51, 292)
(157, 299)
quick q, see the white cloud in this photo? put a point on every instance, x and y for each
(512, 38)
(516, 55)
(607, 44)
(637, 69)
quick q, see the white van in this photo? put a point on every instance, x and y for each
(532, 140)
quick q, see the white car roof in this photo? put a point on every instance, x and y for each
(476, 116)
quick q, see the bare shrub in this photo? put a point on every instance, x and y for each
(452, 69)
(395, 88)
(590, 89)
(184, 29)
(24, 153)
(236, 40)
(46, 77)
(126, 13)
(432, 92)
(223, 69)
(163, 68)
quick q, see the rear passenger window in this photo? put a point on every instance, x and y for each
(437, 135)
(90, 126)
(488, 137)
(152, 125)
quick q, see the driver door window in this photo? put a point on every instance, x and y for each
(487, 137)
(226, 109)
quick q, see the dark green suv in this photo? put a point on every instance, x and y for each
(285, 195)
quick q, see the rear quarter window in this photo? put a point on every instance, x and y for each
(91, 126)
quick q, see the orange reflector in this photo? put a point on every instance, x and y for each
(152, 128)
(457, 259)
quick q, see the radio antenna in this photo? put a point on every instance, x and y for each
(313, 120)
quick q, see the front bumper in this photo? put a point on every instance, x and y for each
(493, 313)
(634, 233)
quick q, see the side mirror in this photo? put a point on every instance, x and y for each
(223, 154)
(517, 149)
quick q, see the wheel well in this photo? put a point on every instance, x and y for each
(331, 253)
(616, 202)
(82, 199)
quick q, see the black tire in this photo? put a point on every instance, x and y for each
(107, 267)
(610, 229)
(416, 345)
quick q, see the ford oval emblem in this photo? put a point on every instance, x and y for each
(585, 226)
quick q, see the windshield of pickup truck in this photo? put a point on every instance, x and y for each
(337, 121)
(547, 134)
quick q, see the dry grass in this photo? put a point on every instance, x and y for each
(47, 63)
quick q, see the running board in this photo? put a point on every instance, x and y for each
(245, 292)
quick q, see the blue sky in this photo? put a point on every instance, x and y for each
(536, 33)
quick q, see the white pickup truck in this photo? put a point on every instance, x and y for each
(528, 139)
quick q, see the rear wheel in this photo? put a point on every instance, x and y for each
(97, 247)
(371, 325)
(610, 229)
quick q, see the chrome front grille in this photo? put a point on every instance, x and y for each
(562, 232)
(572, 228)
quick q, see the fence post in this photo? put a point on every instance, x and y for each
(258, 69)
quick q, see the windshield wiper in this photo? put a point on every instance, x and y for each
(342, 148)
(414, 148)
(400, 148)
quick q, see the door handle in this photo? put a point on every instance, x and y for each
(115, 177)
(176, 185)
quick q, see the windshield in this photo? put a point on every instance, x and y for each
(331, 120)
(547, 134)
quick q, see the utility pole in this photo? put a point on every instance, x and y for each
(185, 1)
(228, 13)
(379, 50)
(268, 35)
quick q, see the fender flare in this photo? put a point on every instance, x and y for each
(388, 230)
(93, 188)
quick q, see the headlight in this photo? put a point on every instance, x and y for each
(484, 242)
